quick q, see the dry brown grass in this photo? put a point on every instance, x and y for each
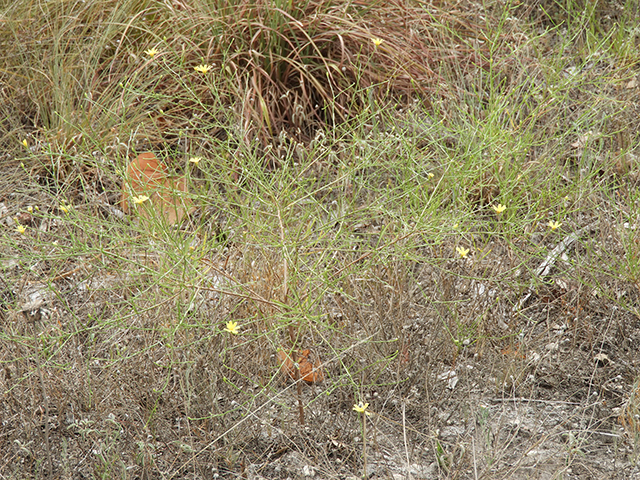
(81, 73)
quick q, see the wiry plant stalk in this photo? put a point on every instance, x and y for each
(45, 400)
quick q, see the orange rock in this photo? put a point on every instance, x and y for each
(147, 176)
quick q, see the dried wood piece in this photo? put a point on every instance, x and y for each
(146, 176)
(310, 372)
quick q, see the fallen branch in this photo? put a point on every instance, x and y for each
(545, 267)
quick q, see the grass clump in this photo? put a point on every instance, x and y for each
(434, 209)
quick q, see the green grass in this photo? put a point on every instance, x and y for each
(344, 198)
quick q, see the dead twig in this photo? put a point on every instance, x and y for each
(548, 263)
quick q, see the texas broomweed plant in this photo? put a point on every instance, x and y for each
(345, 246)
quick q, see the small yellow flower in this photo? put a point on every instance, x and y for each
(377, 41)
(463, 252)
(499, 208)
(203, 68)
(30, 209)
(25, 143)
(232, 327)
(140, 200)
(362, 408)
(554, 225)
(64, 208)
(152, 52)
(21, 229)
(195, 160)
(455, 227)
(430, 175)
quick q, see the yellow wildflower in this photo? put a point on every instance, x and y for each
(195, 160)
(21, 229)
(377, 41)
(232, 327)
(25, 143)
(152, 52)
(554, 225)
(499, 208)
(203, 68)
(362, 408)
(140, 200)
(463, 252)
